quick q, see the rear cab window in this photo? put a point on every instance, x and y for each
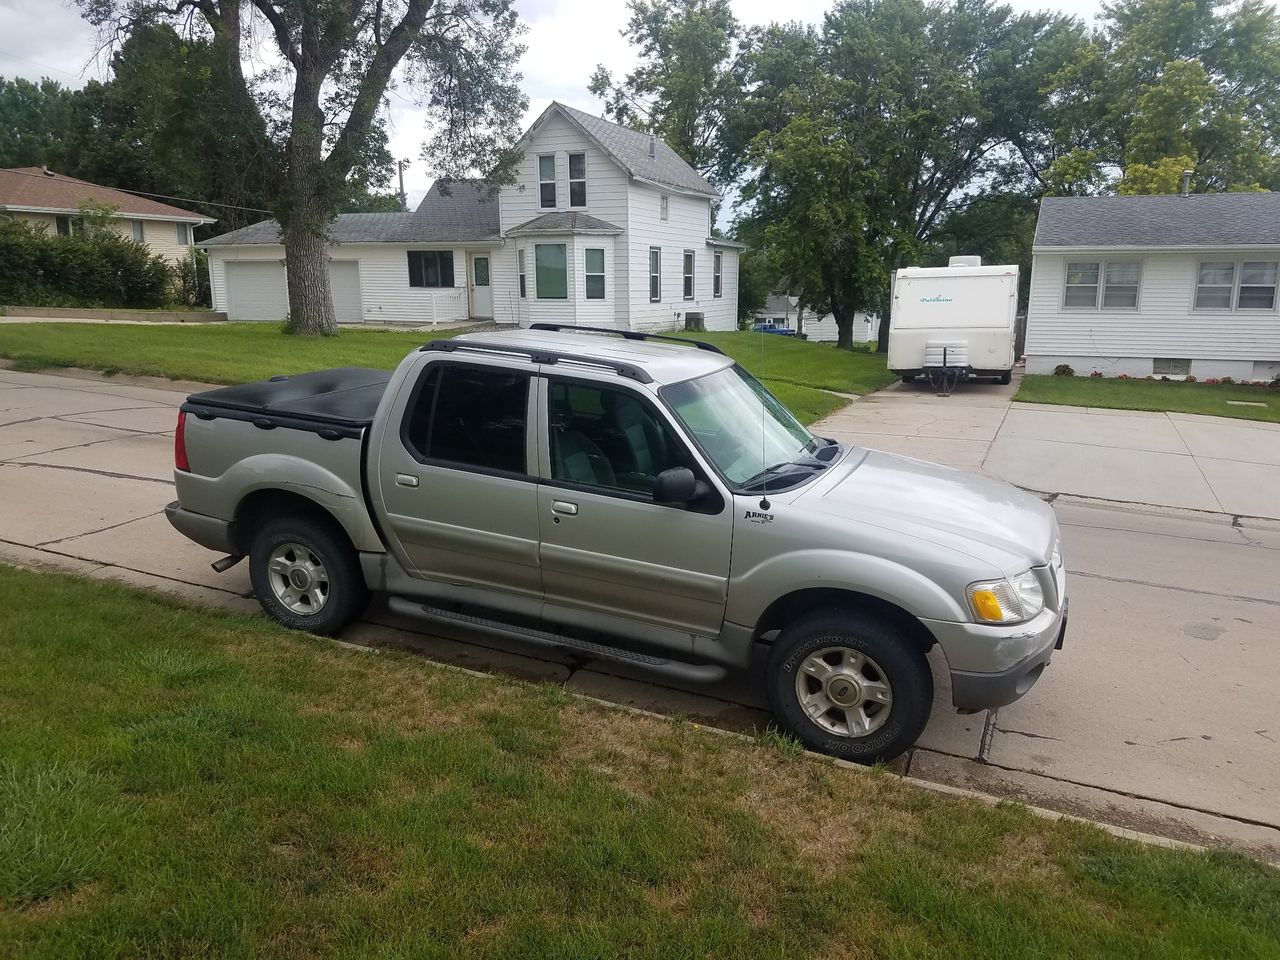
(470, 416)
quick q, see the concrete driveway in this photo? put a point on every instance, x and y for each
(1160, 714)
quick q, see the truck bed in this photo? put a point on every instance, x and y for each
(344, 398)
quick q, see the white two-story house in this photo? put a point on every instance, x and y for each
(1163, 286)
(604, 226)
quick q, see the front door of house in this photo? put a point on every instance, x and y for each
(481, 291)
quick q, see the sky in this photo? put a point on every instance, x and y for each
(566, 40)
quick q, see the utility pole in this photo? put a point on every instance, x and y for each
(404, 199)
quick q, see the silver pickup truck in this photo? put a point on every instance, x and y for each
(633, 497)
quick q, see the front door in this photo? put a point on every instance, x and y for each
(606, 546)
(460, 502)
(481, 291)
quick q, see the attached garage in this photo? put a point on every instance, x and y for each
(256, 290)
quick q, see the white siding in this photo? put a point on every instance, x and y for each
(385, 294)
(1165, 324)
(865, 328)
(686, 228)
(577, 309)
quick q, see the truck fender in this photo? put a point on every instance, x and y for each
(753, 591)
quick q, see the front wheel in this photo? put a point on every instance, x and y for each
(850, 685)
(306, 574)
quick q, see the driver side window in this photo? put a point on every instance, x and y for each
(602, 437)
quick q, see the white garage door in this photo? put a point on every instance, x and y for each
(256, 290)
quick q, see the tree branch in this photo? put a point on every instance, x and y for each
(374, 83)
(281, 28)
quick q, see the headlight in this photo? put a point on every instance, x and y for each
(1007, 601)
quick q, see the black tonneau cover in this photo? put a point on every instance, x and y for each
(345, 397)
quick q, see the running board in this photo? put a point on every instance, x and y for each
(679, 669)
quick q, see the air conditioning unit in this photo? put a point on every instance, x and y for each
(965, 262)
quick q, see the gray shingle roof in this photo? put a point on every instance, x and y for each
(563, 221)
(630, 150)
(1201, 219)
(467, 214)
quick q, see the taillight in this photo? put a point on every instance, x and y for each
(180, 444)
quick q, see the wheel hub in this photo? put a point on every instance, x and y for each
(298, 578)
(843, 691)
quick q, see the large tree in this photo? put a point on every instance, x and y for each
(1168, 84)
(315, 117)
(685, 84)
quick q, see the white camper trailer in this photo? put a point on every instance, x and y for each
(954, 323)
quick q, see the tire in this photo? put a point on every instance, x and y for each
(1005, 379)
(320, 551)
(864, 647)
(910, 379)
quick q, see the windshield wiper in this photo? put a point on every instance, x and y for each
(804, 461)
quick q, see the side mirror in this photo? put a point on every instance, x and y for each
(677, 485)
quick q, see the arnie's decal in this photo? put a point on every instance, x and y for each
(755, 516)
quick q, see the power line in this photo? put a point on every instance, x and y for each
(43, 66)
(143, 193)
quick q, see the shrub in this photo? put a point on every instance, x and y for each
(1148, 377)
(1211, 380)
(1096, 374)
(193, 281)
(1064, 370)
(94, 266)
(1227, 381)
(1123, 376)
(1188, 379)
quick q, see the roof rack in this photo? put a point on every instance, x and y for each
(542, 355)
(624, 334)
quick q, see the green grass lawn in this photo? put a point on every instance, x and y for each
(797, 372)
(178, 782)
(1173, 395)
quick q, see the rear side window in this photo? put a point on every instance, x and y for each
(470, 417)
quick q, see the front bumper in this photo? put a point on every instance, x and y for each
(207, 531)
(988, 689)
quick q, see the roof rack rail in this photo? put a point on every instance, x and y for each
(624, 334)
(542, 355)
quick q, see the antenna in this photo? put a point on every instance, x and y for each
(764, 494)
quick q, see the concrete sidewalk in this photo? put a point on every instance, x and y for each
(1166, 459)
(1160, 713)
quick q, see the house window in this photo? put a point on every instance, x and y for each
(1170, 367)
(63, 226)
(688, 274)
(1249, 285)
(520, 265)
(1116, 281)
(595, 273)
(547, 182)
(1257, 285)
(655, 274)
(139, 232)
(431, 268)
(550, 271)
(1082, 285)
(577, 179)
(717, 265)
(1120, 285)
(664, 204)
(182, 233)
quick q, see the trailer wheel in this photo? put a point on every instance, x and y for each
(1005, 378)
(909, 379)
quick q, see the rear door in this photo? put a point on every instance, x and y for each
(461, 505)
(606, 546)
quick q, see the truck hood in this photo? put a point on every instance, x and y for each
(984, 518)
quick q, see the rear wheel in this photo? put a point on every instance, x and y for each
(1005, 378)
(306, 574)
(850, 685)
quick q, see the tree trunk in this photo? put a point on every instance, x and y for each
(844, 327)
(306, 262)
(306, 223)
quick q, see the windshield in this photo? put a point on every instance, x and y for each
(740, 426)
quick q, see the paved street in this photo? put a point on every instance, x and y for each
(1160, 714)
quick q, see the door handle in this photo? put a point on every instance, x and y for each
(564, 507)
(406, 480)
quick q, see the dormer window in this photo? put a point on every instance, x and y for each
(547, 182)
(577, 179)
